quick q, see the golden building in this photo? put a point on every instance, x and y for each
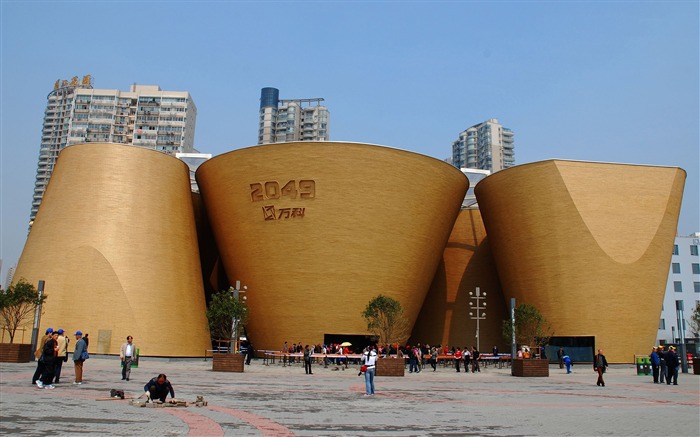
(588, 244)
(315, 230)
(116, 243)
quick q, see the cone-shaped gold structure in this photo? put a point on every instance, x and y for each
(318, 229)
(588, 244)
(116, 243)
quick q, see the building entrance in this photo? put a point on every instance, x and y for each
(579, 349)
(359, 342)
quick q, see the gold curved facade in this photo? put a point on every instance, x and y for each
(466, 263)
(115, 241)
(588, 244)
(317, 229)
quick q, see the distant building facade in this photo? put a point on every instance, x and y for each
(291, 120)
(683, 285)
(193, 161)
(10, 276)
(475, 176)
(485, 146)
(145, 116)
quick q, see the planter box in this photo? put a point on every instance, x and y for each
(530, 367)
(16, 353)
(390, 367)
(228, 363)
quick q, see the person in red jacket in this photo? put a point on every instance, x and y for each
(458, 358)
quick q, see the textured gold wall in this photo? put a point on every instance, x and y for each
(588, 244)
(350, 221)
(466, 263)
(115, 241)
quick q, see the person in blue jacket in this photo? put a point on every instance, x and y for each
(567, 363)
(158, 388)
(655, 362)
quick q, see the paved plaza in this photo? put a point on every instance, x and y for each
(272, 400)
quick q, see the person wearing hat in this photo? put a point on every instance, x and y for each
(62, 354)
(672, 363)
(662, 363)
(655, 361)
(37, 354)
(78, 360)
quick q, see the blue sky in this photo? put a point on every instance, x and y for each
(591, 80)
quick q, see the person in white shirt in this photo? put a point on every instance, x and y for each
(369, 359)
(128, 354)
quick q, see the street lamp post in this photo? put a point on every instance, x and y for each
(478, 308)
(680, 321)
(236, 292)
(37, 317)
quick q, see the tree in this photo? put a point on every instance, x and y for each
(531, 328)
(385, 319)
(226, 310)
(18, 302)
(695, 320)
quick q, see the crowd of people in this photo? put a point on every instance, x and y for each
(664, 365)
(419, 356)
(52, 351)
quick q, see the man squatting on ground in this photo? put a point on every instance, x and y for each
(158, 388)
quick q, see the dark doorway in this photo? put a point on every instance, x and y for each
(579, 349)
(359, 342)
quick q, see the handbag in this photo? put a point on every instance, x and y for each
(363, 368)
(84, 355)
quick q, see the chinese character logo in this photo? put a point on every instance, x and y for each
(270, 213)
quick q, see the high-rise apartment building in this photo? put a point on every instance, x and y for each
(291, 120)
(487, 146)
(145, 116)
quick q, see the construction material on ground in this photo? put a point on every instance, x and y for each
(199, 402)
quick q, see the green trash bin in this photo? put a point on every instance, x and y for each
(643, 365)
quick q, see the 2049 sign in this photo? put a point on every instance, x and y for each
(304, 189)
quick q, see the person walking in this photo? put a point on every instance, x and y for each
(599, 365)
(655, 361)
(78, 358)
(128, 354)
(370, 360)
(38, 354)
(49, 355)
